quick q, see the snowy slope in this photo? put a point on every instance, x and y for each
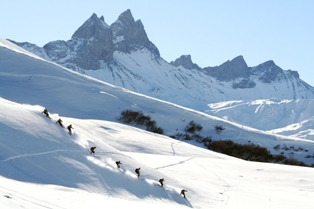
(74, 95)
(122, 54)
(42, 166)
(141, 72)
(284, 117)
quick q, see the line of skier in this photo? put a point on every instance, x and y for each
(118, 163)
(138, 173)
(59, 121)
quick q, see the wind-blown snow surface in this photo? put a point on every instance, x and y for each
(284, 117)
(42, 166)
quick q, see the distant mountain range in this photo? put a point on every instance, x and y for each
(122, 54)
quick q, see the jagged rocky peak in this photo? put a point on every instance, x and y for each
(186, 62)
(94, 27)
(125, 22)
(130, 35)
(239, 64)
(236, 68)
(96, 43)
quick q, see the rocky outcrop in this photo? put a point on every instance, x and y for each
(267, 71)
(186, 62)
(57, 50)
(244, 83)
(39, 51)
(230, 70)
(294, 73)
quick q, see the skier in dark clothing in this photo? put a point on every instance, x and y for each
(161, 181)
(69, 128)
(118, 163)
(183, 191)
(59, 121)
(137, 171)
(92, 150)
(45, 112)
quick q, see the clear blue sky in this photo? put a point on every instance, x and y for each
(211, 31)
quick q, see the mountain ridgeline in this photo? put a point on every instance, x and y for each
(122, 54)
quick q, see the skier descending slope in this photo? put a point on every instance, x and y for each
(59, 121)
(137, 171)
(161, 181)
(118, 163)
(183, 191)
(92, 150)
(69, 128)
(46, 113)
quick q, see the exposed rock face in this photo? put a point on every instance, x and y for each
(90, 44)
(39, 51)
(236, 68)
(95, 42)
(294, 73)
(94, 27)
(97, 45)
(186, 62)
(57, 50)
(245, 83)
(267, 71)
(130, 35)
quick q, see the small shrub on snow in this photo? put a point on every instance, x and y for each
(219, 129)
(192, 127)
(138, 118)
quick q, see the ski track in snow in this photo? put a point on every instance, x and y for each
(102, 92)
(38, 154)
(27, 199)
(219, 178)
(174, 164)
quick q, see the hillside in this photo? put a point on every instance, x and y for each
(121, 54)
(284, 117)
(31, 80)
(42, 166)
